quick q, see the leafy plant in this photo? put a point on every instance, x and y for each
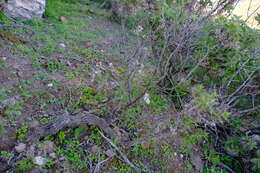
(21, 132)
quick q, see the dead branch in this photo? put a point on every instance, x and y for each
(97, 168)
(121, 154)
(66, 120)
(246, 111)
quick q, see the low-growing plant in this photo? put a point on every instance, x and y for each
(21, 132)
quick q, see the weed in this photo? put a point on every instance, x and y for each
(45, 121)
(5, 154)
(21, 132)
(89, 53)
(78, 131)
(256, 161)
(13, 110)
(95, 136)
(54, 65)
(24, 164)
(90, 97)
(2, 64)
(73, 153)
(49, 163)
(3, 94)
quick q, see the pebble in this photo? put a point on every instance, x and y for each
(53, 155)
(50, 85)
(62, 45)
(39, 160)
(63, 19)
(20, 147)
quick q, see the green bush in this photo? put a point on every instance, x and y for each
(55, 8)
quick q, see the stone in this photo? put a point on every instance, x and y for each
(39, 160)
(62, 46)
(20, 147)
(4, 58)
(50, 85)
(63, 19)
(24, 9)
(53, 155)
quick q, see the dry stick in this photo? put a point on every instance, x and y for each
(67, 120)
(241, 86)
(248, 9)
(246, 110)
(121, 154)
(100, 163)
(252, 13)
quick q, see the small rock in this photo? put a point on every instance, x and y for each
(110, 153)
(50, 85)
(20, 147)
(39, 160)
(110, 64)
(63, 19)
(53, 155)
(45, 115)
(146, 98)
(62, 46)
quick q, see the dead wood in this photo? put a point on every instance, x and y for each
(67, 120)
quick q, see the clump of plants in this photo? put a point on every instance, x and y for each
(195, 42)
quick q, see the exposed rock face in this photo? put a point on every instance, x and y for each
(24, 9)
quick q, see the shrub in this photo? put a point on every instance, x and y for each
(196, 42)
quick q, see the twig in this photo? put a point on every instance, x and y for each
(100, 163)
(248, 17)
(121, 154)
(245, 111)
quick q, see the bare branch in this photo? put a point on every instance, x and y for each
(121, 154)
